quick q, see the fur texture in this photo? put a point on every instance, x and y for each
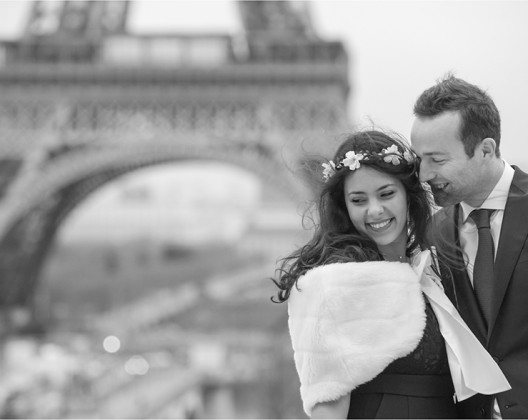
(349, 321)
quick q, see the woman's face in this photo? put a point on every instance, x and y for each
(377, 206)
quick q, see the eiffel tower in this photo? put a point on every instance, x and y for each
(83, 100)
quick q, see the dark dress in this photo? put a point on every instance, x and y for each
(415, 386)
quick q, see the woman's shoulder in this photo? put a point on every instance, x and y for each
(357, 273)
(352, 283)
(348, 321)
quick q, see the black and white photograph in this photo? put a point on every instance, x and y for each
(263, 209)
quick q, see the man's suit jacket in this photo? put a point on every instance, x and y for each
(507, 336)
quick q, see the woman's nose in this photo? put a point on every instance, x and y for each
(375, 208)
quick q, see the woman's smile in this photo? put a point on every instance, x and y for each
(381, 226)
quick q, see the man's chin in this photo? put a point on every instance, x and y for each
(443, 200)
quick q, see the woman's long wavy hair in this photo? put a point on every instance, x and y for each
(335, 238)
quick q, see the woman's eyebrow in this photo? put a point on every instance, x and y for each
(380, 188)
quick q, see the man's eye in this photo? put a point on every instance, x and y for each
(439, 161)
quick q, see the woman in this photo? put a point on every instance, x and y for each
(372, 332)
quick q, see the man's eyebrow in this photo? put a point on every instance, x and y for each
(433, 153)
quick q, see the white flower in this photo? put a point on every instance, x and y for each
(352, 160)
(408, 156)
(393, 150)
(329, 170)
(395, 160)
(393, 155)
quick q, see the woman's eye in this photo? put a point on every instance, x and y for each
(357, 200)
(387, 194)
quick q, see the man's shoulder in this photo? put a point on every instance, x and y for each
(444, 213)
(520, 181)
(443, 224)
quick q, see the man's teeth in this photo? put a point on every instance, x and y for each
(440, 186)
(380, 225)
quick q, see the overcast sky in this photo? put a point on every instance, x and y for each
(397, 49)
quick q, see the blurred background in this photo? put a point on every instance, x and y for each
(153, 170)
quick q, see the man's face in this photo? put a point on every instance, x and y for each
(445, 166)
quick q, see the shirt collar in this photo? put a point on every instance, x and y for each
(497, 198)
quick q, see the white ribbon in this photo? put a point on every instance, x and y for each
(472, 368)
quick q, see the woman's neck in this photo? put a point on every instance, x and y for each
(400, 258)
(395, 251)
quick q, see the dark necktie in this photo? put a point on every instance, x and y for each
(484, 261)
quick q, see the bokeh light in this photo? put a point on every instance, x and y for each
(111, 344)
(137, 365)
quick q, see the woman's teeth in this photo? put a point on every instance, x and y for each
(381, 224)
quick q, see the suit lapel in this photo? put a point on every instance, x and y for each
(464, 296)
(513, 234)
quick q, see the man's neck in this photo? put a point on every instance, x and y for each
(492, 178)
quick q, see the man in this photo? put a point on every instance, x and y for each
(456, 134)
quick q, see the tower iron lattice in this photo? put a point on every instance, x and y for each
(84, 100)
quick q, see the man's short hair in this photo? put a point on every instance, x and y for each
(480, 116)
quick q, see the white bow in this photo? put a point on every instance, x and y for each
(472, 368)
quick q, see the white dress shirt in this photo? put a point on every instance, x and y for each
(468, 229)
(469, 234)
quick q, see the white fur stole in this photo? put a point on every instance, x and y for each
(349, 321)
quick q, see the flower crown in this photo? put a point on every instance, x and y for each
(352, 160)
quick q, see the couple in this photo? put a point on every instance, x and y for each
(398, 313)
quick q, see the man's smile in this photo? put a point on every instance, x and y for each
(439, 187)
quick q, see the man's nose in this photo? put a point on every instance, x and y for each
(425, 172)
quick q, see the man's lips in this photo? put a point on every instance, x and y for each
(439, 187)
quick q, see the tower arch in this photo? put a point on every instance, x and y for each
(77, 112)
